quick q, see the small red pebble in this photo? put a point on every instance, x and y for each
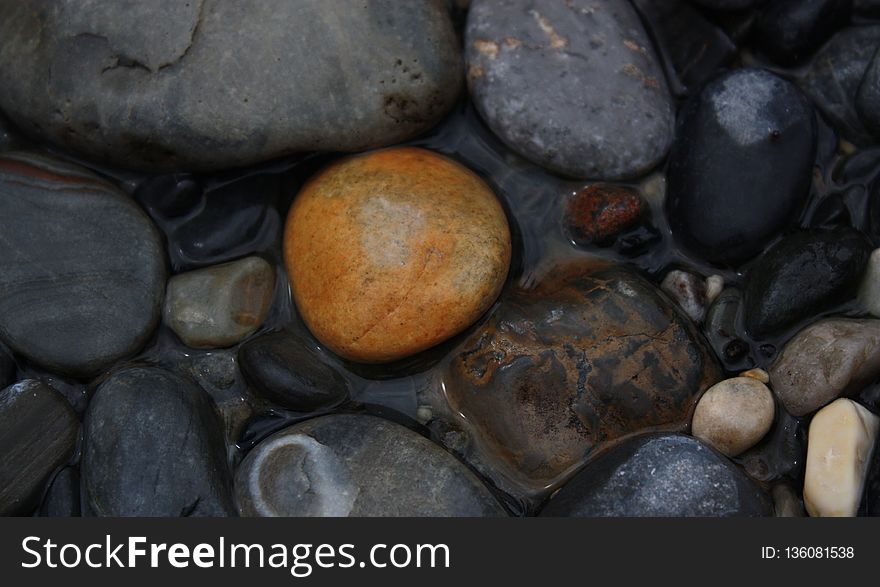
(600, 212)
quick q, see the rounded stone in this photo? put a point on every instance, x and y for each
(153, 446)
(740, 169)
(733, 415)
(392, 252)
(82, 267)
(357, 465)
(660, 475)
(222, 305)
(225, 83)
(560, 371)
(573, 86)
(600, 212)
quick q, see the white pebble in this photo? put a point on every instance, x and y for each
(714, 287)
(733, 415)
(839, 447)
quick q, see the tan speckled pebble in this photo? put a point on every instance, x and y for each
(394, 251)
(734, 415)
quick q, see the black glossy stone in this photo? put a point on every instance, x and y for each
(782, 453)
(288, 370)
(790, 30)
(805, 274)
(38, 433)
(169, 196)
(740, 168)
(695, 47)
(154, 446)
(834, 76)
(659, 475)
(237, 219)
(7, 368)
(63, 497)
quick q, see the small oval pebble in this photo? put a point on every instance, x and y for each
(221, 305)
(839, 450)
(394, 251)
(600, 212)
(689, 292)
(734, 415)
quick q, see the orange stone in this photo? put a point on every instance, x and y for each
(394, 251)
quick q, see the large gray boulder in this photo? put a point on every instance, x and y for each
(218, 83)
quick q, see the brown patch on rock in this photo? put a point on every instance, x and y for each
(394, 251)
(550, 379)
(487, 48)
(600, 212)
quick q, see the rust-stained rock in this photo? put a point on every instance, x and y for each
(557, 373)
(394, 251)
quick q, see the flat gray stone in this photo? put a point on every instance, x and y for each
(357, 465)
(575, 87)
(82, 268)
(223, 83)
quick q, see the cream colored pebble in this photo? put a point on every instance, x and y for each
(714, 287)
(733, 415)
(839, 447)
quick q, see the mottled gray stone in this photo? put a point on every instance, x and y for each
(221, 305)
(223, 83)
(38, 432)
(574, 86)
(660, 475)
(153, 446)
(825, 360)
(357, 465)
(82, 268)
(833, 78)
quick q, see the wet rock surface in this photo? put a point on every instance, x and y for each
(153, 446)
(745, 143)
(555, 374)
(348, 465)
(82, 269)
(835, 74)
(790, 30)
(825, 360)
(805, 274)
(221, 305)
(221, 83)
(527, 65)
(289, 370)
(659, 475)
(393, 252)
(38, 433)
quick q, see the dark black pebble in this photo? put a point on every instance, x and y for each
(288, 370)
(741, 166)
(803, 275)
(790, 30)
